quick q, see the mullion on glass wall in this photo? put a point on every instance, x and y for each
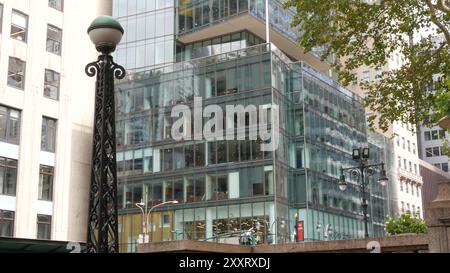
(197, 13)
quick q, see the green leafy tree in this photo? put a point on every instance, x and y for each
(406, 223)
(358, 33)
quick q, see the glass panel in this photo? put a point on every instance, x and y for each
(245, 150)
(56, 4)
(16, 73)
(211, 153)
(54, 39)
(168, 191)
(51, 84)
(48, 135)
(1, 17)
(3, 122)
(10, 177)
(2, 176)
(222, 187)
(44, 227)
(9, 125)
(233, 6)
(200, 193)
(233, 151)
(167, 159)
(190, 190)
(46, 183)
(221, 152)
(189, 156)
(178, 191)
(157, 193)
(179, 158)
(243, 5)
(19, 25)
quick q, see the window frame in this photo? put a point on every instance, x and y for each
(47, 84)
(163, 222)
(436, 151)
(1, 18)
(7, 138)
(48, 223)
(22, 87)
(55, 42)
(54, 7)
(45, 121)
(7, 167)
(4, 219)
(14, 11)
(43, 172)
(434, 135)
(365, 77)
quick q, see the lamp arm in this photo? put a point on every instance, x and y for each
(148, 214)
(152, 208)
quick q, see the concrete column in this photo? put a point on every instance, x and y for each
(438, 219)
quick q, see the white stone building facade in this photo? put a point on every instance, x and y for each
(46, 117)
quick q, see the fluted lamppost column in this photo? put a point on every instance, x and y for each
(105, 32)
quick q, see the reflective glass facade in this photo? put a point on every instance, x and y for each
(218, 184)
(226, 187)
(149, 38)
(196, 14)
(218, 45)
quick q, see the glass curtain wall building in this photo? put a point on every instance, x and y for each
(225, 188)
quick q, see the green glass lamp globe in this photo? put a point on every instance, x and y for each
(105, 33)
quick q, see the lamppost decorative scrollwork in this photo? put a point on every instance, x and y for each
(360, 172)
(102, 237)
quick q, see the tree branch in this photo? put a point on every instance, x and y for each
(442, 5)
(436, 21)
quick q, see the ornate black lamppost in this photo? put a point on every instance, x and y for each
(360, 172)
(105, 33)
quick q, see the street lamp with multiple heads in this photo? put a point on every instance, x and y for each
(146, 216)
(152, 208)
(102, 237)
(360, 172)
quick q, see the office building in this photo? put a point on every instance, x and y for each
(46, 117)
(216, 50)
